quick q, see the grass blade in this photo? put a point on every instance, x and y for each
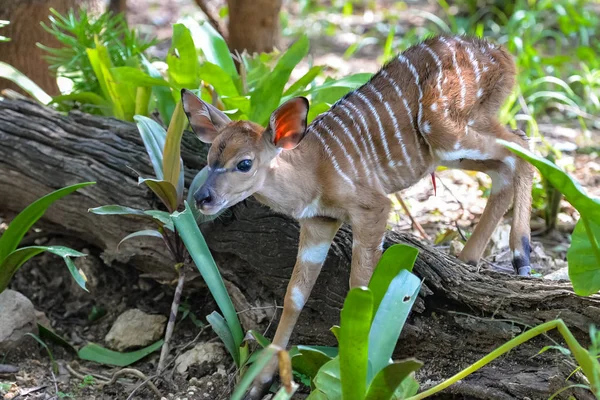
(265, 357)
(219, 325)
(9, 72)
(145, 232)
(29, 216)
(390, 378)
(154, 137)
(164, 190)
(172, 162)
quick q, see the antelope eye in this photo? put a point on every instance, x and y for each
(244, 165)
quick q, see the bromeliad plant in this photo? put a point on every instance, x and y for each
(12, 257)
(179, 230)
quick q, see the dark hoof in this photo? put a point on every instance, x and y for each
(258, 390)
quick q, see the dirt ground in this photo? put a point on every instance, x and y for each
(456, 206)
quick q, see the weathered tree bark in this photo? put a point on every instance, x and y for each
(25, 31)
(254, 25)
(461, 314)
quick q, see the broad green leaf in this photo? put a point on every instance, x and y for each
(212, 45)
(583, 257)
(182, 59)
(154, 137)
(9, 72)
(408, 388)
(101, 355)
(304, 81)
(17, 258)
(164, 190)
(163, 217)
(315, 110)
(316, 395)
(355, 322)
(388, 380)
(265, 358)
(218, 78)
(137, 77)
(569, 187)
(196, 245)
(348, 83)
(219, 325)
(49, 334)
(328, 381)
(172, 162)
(239, 103)
(267, 95)
(164, 99)
(145, 232)
(309, 361)
(396, 258)
(21, 224)
(390, 318)
(329, 351)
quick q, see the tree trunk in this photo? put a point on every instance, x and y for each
(25, 31)
(254, 25)
(462, 313)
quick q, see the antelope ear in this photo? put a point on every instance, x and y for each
(288, 123)
(205, 119)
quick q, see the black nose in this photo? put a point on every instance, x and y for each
(203, 196)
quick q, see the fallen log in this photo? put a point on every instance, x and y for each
(462, 312)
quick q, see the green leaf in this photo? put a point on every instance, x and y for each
(137, 77)
(164, 190)
(17, 258)
(182, 59)
(164, 99)
(145, 232)
(219, 79)
(85, 98)
(390, 378)
(260, 339)
(200, 253)
(267, 95)
(408, 388)
(569, 187)
(116, 210)
(21, 224)
(101, 355)
(263, 360)
(154, 137)
(583, 258)
(304, 81)
(49, 334)
(219, 325)
(355, 322)
(282, 393)
(328, 381)
(172, 162)
(390, 318)
(9, 72)
(309, 361)
(316, 109)
(212, 45)
(162, 217)
(396, 258)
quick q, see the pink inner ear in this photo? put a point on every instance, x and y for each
(289, 124)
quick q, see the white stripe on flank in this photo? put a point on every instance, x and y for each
(415, 74)
(475, 63)
(397, 132)
(336, 166)
(463, 88)
(339, 142)
(386, 148)
(438, 63)
(408, 112)
(359, 152)
(365, 137)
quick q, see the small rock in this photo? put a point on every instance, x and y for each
(17, 317)
(203, 355)
(561, 274)
(42, 319)
(133, 329)
(456, 247)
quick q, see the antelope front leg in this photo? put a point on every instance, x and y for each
(316, 235)
(368, 230)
